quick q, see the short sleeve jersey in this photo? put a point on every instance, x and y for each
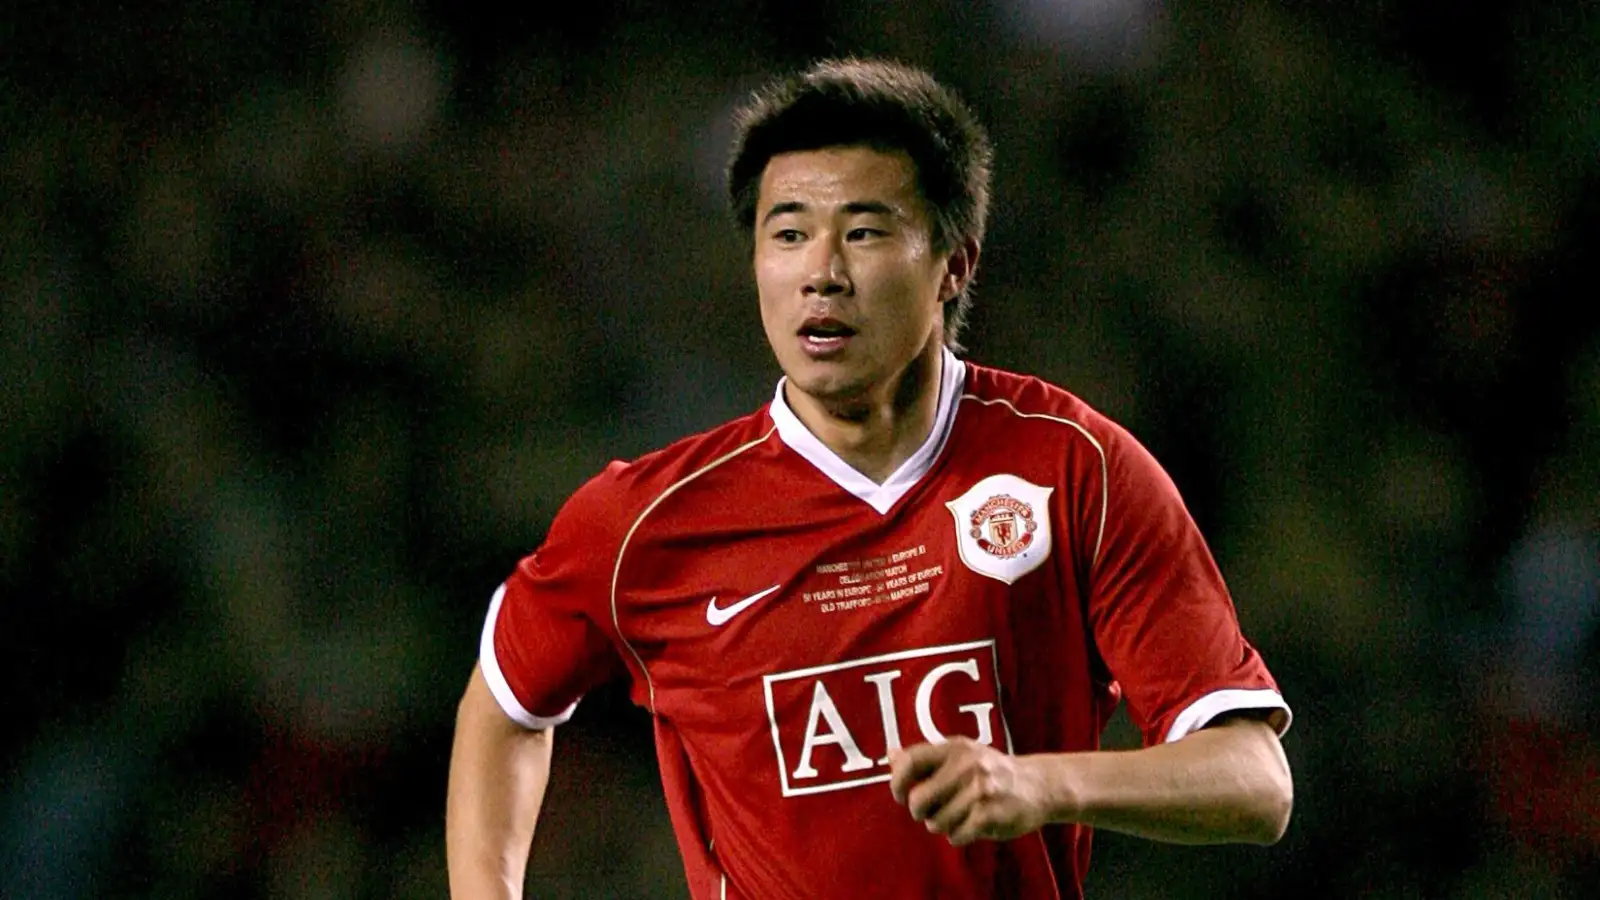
(788, 623)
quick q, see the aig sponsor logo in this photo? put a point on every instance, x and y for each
(834, 726)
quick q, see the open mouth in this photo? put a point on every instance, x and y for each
(824, 336)
(825, 329)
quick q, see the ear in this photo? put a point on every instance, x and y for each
(959, 269)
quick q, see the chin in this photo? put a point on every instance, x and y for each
(828, 382)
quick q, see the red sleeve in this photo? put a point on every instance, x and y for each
(1161, 615)
(543, 646)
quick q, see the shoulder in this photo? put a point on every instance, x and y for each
(1008, 400)
(1127, 469)
(619, 493)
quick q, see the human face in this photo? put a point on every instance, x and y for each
(851, 288)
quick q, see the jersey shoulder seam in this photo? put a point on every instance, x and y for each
(1080, 428)
(622, 550)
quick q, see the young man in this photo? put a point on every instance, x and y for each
(881, 622)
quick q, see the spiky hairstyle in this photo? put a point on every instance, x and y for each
(887, 106)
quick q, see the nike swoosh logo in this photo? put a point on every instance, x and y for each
(718, 615)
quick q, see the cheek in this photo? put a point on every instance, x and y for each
(772, 276)
(912, 282)
(769, 295)
(766, 285)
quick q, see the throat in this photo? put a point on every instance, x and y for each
(876, 438)
(874, 452)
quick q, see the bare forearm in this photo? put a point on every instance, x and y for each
(498, 773)
(1226, 784)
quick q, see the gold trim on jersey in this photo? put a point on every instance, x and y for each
(616, 571)
(1105, 475)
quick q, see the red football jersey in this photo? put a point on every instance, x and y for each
(788, 622)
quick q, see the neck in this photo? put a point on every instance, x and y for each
(876, 434)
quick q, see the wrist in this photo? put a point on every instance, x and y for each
(1060, 791)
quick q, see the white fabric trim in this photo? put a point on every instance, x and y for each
(952, 378)
(1105, 476)
(1202, 711)
(497, 680)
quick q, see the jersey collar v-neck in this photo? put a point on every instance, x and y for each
(793, 432)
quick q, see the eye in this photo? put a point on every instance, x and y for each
(862, 234)
(788, 236)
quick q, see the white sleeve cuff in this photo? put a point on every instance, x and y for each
(1200, 713)
(497, 680)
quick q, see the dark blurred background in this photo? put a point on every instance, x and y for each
(315, 313)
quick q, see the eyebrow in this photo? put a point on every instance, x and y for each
(855, 207)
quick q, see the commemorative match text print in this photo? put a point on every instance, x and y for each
(881, 579)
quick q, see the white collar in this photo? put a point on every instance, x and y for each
(952, 378)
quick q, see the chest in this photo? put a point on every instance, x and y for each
(821, 636)
(763, 589)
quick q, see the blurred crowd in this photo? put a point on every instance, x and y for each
(315, 313)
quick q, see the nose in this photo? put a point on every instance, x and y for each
(830, 274)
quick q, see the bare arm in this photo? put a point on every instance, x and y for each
(1225, 784)
(498, 774)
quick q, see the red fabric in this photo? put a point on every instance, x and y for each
(772, 727)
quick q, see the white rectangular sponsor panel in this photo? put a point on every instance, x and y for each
(834, 726)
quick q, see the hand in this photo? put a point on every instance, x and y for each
(968, 790)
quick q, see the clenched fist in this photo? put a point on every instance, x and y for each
(967, 790)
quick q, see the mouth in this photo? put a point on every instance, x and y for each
(823, 337)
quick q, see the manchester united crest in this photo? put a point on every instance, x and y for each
(1003, 526)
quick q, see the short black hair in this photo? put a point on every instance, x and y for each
(887, 106)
